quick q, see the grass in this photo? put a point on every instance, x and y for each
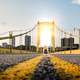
(76, 51)
(66, 70)
(22, 71)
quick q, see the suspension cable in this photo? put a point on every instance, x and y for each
(7, 37)
(66, 33)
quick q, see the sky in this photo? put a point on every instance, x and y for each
(24, 14)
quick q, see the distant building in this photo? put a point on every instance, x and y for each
(68, 43)
(64, 42)
(27, 40)
(4, 45)
(75, 46)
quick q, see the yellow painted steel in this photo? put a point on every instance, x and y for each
(41, 26)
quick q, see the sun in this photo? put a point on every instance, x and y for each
(45, 36)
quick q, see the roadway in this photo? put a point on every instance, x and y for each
(44, 69)
(7, 60)
(12, 59)
(16, 58)
(72, 58)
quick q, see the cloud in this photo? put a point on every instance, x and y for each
(3, 23)
(76, 2)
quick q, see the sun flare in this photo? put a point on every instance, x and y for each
(45, 36)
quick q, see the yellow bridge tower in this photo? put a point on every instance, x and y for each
(45, 34)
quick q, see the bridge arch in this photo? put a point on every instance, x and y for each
(46, 30)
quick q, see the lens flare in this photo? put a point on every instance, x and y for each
(45, 36)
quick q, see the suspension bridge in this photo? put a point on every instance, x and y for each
(26, 61)
(42, 34)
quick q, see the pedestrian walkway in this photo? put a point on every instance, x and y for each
(44, 67)
(45, 70)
